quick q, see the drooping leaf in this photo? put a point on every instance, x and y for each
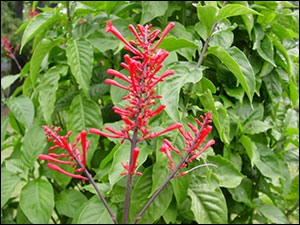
(234, 10)
(37, 201)
(83, 115)
(47, 93)
(271, 212)
(39, 23)
(140, 197)
(8, 80)
(9, 181)
(80, 59)
(33, 145)
(23, 109)
(208, 204)
(41, 50)
(152, 9)
(93, 212)
(68, 202)
(228, 175)
(238, 64)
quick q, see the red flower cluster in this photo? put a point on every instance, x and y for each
(192, 143)
(73, 151)
(33, 13)
(10, 49)
(142, 69)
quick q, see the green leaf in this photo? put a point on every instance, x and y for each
(122, 155)
(256, 126)
(153, 9)
(271, 212)
(47, 93)
(234, 10)
(9, 181)
(33, 145)
(23, 109)
(223, 38)
(265, 50)
(38, 23)
(21, 218)
(37, 201)
(172, 85)
(93, 212)
(228, 175)
(238, 64)
(207, 16)
(251, 149)
(243, 192)
(83, 115)
(208, 204)
(80, 56)
(4, 123)
(42, 49)
(268, 164)
(103, 42)
(139, 198)
(68, 201)
(173, 43)
(8, 80)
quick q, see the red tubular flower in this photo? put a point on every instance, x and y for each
(57, 168)
(73, 151)
(192, 143)
(131, 170)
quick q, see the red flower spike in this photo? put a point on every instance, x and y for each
(135, 154)
(61, 141)
(206, 146)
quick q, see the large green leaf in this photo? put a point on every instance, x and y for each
(33, 145)
(103, 42)
(83, 115)
(8, 80)
(93, 212)
(173, 43)
(243, 192)
(68, 202)
(140, 195)
(238, 64)
(4, 123)
(47, 91)
(80, 59)
(170, 88)
(208, 204)
(9, 181)
(268, 164)
(153, 9)
(271, 212)
(251, 149)
(23, 109)
(38, 23)
(41, 50)
(207, 16)
(37, 201)
(234, 10)
(227, 173)
(265, 50)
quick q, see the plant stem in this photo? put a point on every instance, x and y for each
(207, 41)
(134, 141)
(69, 18)
(171, 175)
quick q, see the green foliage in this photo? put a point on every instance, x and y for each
(249, 79)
